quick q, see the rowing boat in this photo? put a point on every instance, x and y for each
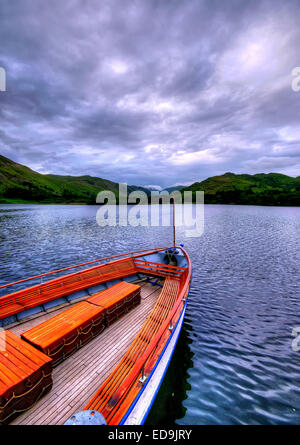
(90, 344)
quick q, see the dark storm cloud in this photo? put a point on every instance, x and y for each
(150, 91)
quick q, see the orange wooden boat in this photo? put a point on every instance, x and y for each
(92, 346)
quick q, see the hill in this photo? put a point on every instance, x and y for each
(21, 184)
(174, 188)
(259, 189)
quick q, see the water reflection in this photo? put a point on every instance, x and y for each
(168, 406)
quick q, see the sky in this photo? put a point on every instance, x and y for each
(150, 92)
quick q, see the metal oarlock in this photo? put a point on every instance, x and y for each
(143, 377)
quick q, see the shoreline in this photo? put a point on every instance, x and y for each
(86, 204)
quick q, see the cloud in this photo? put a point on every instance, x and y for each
(153, 187)
(150, 92)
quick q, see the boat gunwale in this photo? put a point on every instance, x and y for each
(126, 255)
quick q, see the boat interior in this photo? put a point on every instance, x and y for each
(103, 326)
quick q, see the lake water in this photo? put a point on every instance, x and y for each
(234, 362)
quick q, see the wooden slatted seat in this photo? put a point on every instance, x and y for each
(62, 334)
(117, 300)
(19, 301)
(103, 401)
(25, 375)
(158, 269)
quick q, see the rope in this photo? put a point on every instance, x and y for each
(122, 303)
(93, 324)
(29, 407)
(79, 331)
(14, 396)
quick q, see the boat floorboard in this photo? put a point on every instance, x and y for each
(79, 376)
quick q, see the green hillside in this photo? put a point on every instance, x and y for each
(259, 189)
(174, 188)
(21, 184)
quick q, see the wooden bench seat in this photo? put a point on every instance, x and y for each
(117, 300)
(62, 334)
(24, 299)
(25, 375)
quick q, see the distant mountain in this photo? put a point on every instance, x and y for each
(259, 189)
(174, 188)
(21, 184)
